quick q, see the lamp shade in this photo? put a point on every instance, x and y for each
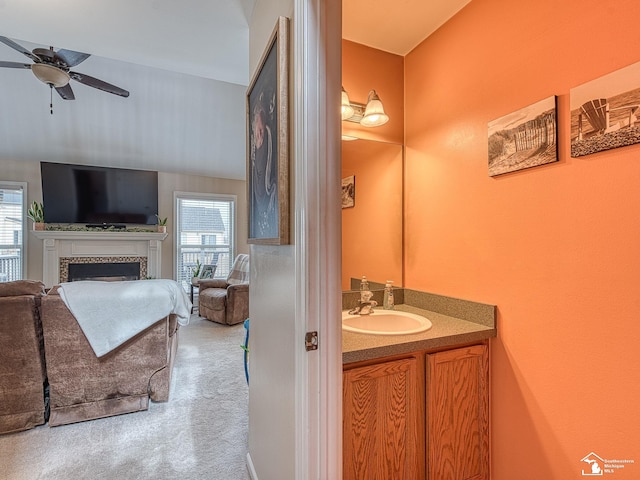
(50, 75)
(374, 115)
(346, 108)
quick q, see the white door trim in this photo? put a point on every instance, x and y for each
(317, 33)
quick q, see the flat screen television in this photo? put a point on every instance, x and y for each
(98, 195)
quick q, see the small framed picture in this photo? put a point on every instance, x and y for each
(207, 271)
(525, 138)
(349, 192)
(604, 112)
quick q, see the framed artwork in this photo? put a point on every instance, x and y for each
(207, 271)
(603, 112)
(268, 142)
(349, 192)
(525, 138)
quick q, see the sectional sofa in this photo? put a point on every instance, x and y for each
(47, 363)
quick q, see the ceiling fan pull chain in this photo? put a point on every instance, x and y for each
(51, 95)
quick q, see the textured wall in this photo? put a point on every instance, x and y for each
(555, 247)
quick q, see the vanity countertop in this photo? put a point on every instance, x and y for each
(450, 328)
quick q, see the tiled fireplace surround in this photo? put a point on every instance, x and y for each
(61, 248)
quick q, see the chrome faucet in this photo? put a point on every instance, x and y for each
(365, 304)
(367, 308)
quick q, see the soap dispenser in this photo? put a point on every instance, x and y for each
(388, 302)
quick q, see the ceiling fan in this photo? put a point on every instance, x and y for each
(54, 69)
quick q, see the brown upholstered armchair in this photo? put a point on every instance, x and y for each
(22, 367)
(227, 301)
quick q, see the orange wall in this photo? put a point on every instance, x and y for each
(365, 69)
(556, 247)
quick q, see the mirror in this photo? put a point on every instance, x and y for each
(372, 227)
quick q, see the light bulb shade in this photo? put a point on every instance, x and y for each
(374, 115)
(50, 75)
(346, 108)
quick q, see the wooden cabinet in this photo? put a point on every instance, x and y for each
(458, 414)
(415, 417)
(382, 417)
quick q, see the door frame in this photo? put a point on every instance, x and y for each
(317, 40)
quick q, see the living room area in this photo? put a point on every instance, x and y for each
(208, 389)
(184, 127)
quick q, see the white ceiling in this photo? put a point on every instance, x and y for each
(398, 26)
(196, 37)
(185, 63)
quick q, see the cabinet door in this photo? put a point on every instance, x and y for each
(458, 414)
(382, 418)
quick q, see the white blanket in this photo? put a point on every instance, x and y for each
(110, 313)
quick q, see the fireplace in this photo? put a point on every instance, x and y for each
(112, 272)
(64, 248)
(102, 268)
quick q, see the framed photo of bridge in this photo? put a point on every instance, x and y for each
(268, 142)
(349, 192)
(603, 112)
(525, 138)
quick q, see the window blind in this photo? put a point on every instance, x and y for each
(205, 234)
(12, 225)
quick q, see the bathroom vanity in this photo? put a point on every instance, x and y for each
(417, 406)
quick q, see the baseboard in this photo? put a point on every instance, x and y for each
(252, 470)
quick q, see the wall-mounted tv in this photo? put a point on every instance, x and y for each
(98, 195)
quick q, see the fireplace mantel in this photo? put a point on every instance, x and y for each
(97, 235)
(59, 244)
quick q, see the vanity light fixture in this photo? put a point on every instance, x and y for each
(369, 115)
(346, 108)
(374, 115)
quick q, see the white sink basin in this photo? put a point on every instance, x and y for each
(385, 322)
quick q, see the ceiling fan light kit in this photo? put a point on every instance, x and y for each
(50, 75)
(53, 68)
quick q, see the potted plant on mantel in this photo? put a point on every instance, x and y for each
(36, 213)
(162, 224)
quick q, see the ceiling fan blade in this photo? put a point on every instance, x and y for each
(66, 92)
(14, 65)
(72, 58)
(99, 84)
(19, 48)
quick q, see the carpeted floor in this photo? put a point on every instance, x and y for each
(201, 433)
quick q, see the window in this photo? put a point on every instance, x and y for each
(13, 197)
(205, 232)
